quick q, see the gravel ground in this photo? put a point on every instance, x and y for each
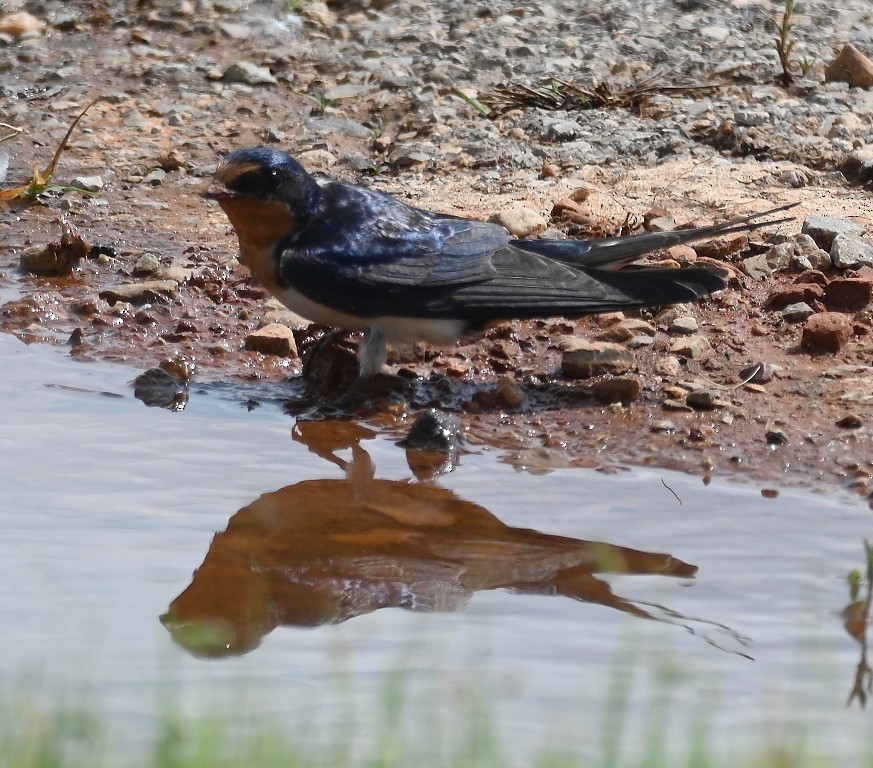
(693, 127)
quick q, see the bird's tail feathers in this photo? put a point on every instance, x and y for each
(612, 253)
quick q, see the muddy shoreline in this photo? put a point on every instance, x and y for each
(161, 280)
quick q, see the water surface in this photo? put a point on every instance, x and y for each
(333, 569)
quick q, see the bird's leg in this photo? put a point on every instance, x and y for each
(372, 355)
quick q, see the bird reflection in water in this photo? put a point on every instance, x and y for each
(324, 551)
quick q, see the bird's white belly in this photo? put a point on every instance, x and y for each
(396, 330)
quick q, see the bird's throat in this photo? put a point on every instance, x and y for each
(260, 225)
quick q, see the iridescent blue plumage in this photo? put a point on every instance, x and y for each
(356, 258)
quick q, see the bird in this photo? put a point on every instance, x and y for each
(357, 259)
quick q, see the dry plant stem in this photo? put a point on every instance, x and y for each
(40, 180)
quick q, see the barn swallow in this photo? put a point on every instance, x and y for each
(355, 258)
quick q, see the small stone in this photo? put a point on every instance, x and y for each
(434, 430)
(147, 264)
(158, 389)
(684, 254)
(677, 405)
(823, 229)
(794, 178)
(346, 91)
(751, 117)
(693, 347)
(87, 183)
(759, 372)
(797, 313)
(89, 307)
(850, 421)
(563, 130)
(852, 67)
(622, 389)
(273, 339)
(155, 177)
(583, 359)
(793, 294)
(663, 425)
(858, 165)
(668, 367)
(181, 368)
(683, 326)
(826, 332)
(661, 224)
(702, 400)
(567, 209)
(813, 276)
(617, 333)
(640, 341)
(508, 392)
(520, 221)
(851, 252)
(146, 292)
(723, 246)
(248, 73)
(57, 258)
(776, 436)
(636, 325)
(317, 159)
(848, 294)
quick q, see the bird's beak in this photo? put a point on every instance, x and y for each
(218, 191)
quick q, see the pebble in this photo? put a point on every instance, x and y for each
(668, 366)
(852, 67)
(663, 425)
(793, 294)
(273, 339)
(639, 341)
(704, 400)
(826, 332)
(776, 436)
(87, 183)
(562, 130)
(751, 117)
(508, 392)
(823, 229)
(850, 252)
(759, 372)
(850, 421)
(813, 276)
(249, 73)
(159, 389)
(521, 221)
(147, 264)
(694, 347)
(848, 294)
(21, 23)
(146, 292)
(434, 430)
(797, 313)
(624, 389)
(583, 359)
(683, 326)
(794, 178)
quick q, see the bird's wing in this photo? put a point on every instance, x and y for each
(368, 238)
(369, 255)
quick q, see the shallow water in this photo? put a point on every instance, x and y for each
(535, 590)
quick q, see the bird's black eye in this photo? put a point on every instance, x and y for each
(263, 182)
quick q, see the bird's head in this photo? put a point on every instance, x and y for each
(267, 195)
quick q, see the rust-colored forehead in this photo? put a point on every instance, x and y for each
(230, 172)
